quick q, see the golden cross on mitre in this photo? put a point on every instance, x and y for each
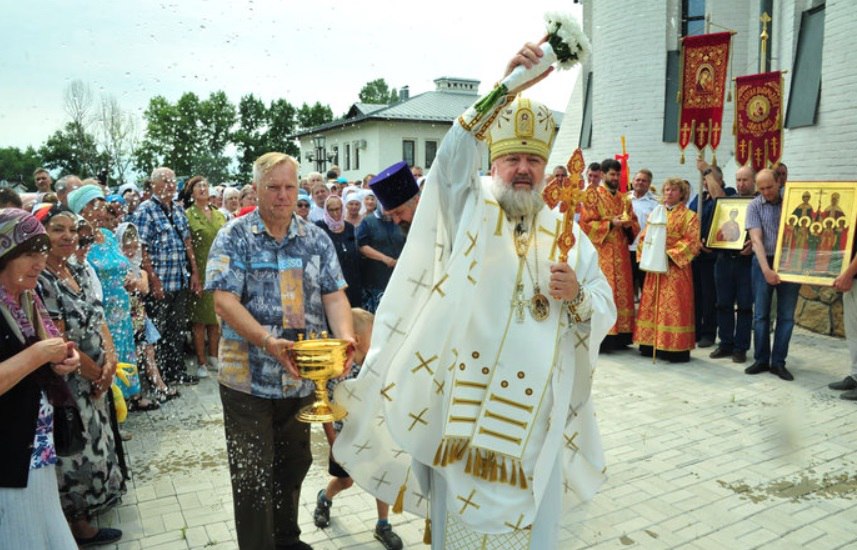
(566, 192)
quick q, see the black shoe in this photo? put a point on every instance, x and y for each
(783, 373)
(847, 383)
(719, 352)
(757, 368)
(739, 356)
(850, 395)
(385, 535)
(705, 342)
(299, 545)
(102, 537)
(188, 380)
(321, 515)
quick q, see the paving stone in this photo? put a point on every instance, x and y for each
(699, 456)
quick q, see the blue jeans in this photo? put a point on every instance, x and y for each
(786, 301)
(732, 279)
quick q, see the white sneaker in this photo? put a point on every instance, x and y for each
(213, 364)
(201, 372)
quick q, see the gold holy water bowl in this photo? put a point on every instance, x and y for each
(319, 360)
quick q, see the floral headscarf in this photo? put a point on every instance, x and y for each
(334, 225)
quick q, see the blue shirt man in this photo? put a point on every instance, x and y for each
(274, 276)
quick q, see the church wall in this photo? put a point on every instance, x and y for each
(629, 63)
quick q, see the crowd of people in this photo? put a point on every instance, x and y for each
(229, 277)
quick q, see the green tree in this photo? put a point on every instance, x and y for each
(249, 136)
(73, 150)
(310, 116)
(17, 166)
(189, 136)
(262, 129)
(377, 91)
(281, 124)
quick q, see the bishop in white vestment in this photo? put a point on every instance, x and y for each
(476, 394)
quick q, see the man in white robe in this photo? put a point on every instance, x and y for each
(475, 395)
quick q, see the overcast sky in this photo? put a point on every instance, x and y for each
(307, 51)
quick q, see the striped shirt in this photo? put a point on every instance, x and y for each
(765, 215)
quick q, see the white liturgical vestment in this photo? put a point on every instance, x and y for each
(461, 379)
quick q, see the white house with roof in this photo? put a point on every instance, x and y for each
(371, 137)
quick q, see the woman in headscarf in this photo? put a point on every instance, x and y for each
(369, 203)
(91, 481)
(345, 242)
(352, 197)
(33, 356)
(112, 268)
(204, 224)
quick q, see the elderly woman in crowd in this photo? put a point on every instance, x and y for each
(91, 481)
(112, 268)
(345, 242)
(248, 196)
(204, 223)
(665, 322)
(32, 358)
(231, 203)
(352, 197)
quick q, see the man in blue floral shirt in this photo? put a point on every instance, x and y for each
(274, 276)
(171, 266)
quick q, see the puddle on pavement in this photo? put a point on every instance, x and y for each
(804, 488)
(181, 462)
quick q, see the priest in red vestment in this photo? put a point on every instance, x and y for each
(666, 320)
(610, 223)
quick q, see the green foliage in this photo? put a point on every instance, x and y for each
(189, 136)
(73, 150)
(315, 115)
(377, 91)
(262, 128)
(17, 166)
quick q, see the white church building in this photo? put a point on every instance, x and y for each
(629, 84)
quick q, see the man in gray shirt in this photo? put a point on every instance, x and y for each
(763, 220)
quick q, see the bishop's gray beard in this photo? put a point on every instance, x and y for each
(517, 203)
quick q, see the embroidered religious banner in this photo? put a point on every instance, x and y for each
(758, 118)
(705, 60)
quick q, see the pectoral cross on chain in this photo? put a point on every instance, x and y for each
(566, 193)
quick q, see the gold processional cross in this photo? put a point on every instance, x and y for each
(566, 192)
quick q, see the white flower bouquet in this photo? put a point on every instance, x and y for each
(566, 45)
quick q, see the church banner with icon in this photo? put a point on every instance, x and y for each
(816, 232)
(758, 118)
(705, 61)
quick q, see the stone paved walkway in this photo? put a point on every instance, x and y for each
(699, 456)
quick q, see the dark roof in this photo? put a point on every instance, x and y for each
(426, 107)
(364, 109)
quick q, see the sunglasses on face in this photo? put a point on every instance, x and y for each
(303, 205)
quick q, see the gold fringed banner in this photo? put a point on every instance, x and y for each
(759, 121)
(705, 62)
